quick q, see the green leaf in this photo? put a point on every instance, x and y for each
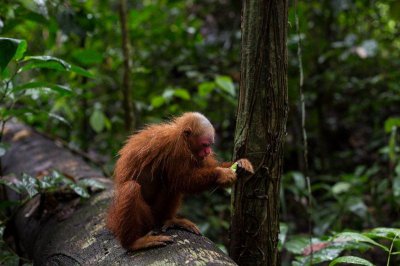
(206, 88)
(45, 183)
(157, 101)
(390, 123)
(297, 244)
(5, 74)
(81, 191)
(234, 167)
(80, 71)
(168, 93)
(356, 205)
(30, 184)
(341, 187)
(51, 62)
(92, 183)
(38, 64)
(351, 260)
(49, 59)
(59, 118)
(226, 84)
(182, 93)
(22, 46)
(43, 85)
(9, 49)
(283, 230)
(97, 120)
(384, 232)
(357, 237)
(299, 180)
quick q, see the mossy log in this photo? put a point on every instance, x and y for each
(72, 230)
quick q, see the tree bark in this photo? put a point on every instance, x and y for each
(60, 229)
(126, 84)
(260, 132)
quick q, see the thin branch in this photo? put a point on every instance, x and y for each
(126, 83)
(303, 130)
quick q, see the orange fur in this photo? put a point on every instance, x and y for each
(156, 167)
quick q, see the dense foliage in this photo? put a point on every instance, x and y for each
(66, 76)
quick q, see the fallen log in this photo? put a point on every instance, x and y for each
(72, 231)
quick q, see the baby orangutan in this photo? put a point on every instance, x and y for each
(156, 167)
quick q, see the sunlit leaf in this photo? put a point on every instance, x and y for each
(390, 123)
(168, 93)
(299, 180)
(351, 260)
(226, 84)
(182, 93)
(157, 101)
(234, 167)
(206, 88)
(283, 230)
(341, 187)
(21, 50)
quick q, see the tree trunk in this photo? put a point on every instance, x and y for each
(126, 83)
(260, 132)
(60, 229)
